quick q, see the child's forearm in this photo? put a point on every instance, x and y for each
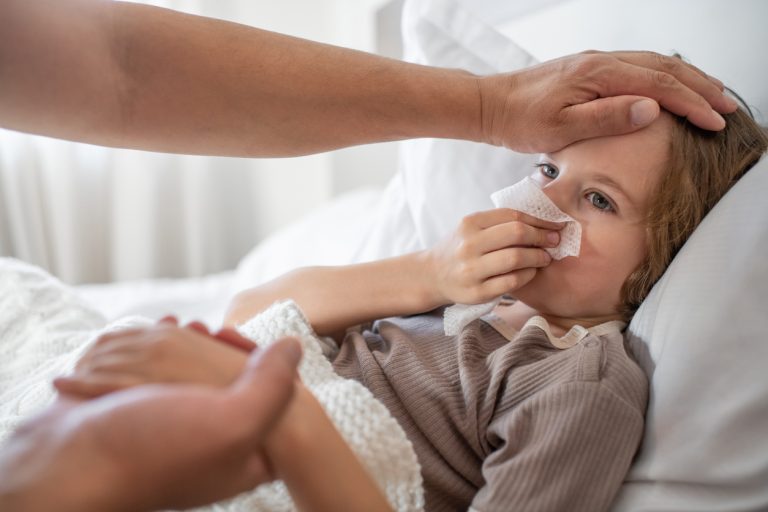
(321, 471)
(334, 298)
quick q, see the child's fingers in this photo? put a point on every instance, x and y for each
(199, 327)
(122, 363)
(169, 319)
(509, 260)
(234, 339)
(517, 234)
(93, 386)
(488, 218)
(499, 285)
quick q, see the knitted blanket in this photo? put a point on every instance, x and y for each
(45, 327)
(364, 422)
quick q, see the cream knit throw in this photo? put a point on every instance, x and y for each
(364, 422)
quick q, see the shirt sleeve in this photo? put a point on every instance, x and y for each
(565, 448)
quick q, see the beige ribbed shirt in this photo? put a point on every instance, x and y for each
(502, 423)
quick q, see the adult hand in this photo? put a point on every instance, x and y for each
(491, 253)
(546, 107)
(150, 447)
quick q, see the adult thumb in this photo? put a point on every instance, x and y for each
(265, 388)
(610, 116)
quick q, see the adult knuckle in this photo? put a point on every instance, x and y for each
(585, 64)
(667, 64)
(663, 79)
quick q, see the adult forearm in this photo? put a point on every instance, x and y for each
(136, 76)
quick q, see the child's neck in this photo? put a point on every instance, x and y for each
(517, 314)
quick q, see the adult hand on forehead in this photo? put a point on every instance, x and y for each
(547, 107)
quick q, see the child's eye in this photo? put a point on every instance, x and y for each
(600, 202)
(548, 170)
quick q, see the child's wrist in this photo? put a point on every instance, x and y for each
(430, 294)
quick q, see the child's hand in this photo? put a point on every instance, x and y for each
(492, 253)
(164, 353)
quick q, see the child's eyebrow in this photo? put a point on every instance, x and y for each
(615, 185)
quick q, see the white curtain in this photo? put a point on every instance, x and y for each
(92, 214)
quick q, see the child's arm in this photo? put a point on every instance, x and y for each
(321, 471)
(334, 298)
(491, 253)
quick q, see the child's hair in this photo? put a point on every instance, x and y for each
(701, 168)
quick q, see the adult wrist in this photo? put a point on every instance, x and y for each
(440, 103)
(495, 93)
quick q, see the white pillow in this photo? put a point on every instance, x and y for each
(702, 337)
(440, 181)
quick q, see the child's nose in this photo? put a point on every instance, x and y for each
(556, 191)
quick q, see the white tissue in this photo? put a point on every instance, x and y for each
(527, 197)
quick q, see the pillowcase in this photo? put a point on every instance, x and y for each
(701, 336)
(440, 181)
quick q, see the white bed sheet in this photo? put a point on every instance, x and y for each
(330, 235)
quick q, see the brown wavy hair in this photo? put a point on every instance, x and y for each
(702, 166)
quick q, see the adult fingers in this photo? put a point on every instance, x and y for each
(709, 88)
(515, 234)
(511, 259)
(624, 78)
(608, 116)
(264, 390)
(506, 283)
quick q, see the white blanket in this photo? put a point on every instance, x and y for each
(45, 327)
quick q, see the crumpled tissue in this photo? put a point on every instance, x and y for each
(525, 196)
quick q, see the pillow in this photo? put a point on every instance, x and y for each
(701, 336)
(439, 180)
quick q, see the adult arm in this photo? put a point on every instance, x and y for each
(150, 447)
(130, 75)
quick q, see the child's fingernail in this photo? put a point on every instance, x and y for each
(553, 238)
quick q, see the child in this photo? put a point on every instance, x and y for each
(538, 406)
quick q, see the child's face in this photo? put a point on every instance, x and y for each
(578, 179)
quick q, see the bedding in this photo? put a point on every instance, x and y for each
(46, 327)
